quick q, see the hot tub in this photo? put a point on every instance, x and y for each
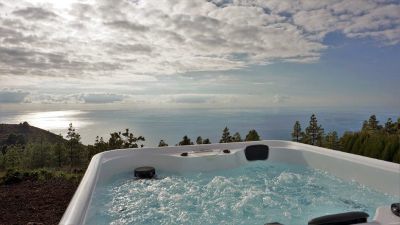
(235, 183)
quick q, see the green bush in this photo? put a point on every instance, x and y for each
(13, 177)
(31, 175)
(45, 174)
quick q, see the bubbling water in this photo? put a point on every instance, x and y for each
(257, 193)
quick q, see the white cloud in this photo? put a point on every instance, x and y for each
(50, 98)
(34, 13)
(99, 98)
(82, 51)
(168, 37)
(18, 96)
(191, 99)
(277, 99)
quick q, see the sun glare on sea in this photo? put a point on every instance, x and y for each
(54, 120)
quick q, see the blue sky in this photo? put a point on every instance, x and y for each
(189, 54)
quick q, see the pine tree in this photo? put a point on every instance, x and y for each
(74, 140)
(314, 132)
(364, 126)
(130, 140)
(374, 146)
(226, 136)
(206, 141)
(199, 140)
(373, 124)
(345, 141)
(162, 143)
(332, 140)
(59, 153)
(390, 127)
(297, 133)
(252, 136)
(100, 145)
(392, 146)
(185, 141)
(236, 137)
(13, 159)
(320, 137)
(396, 157)
(124, 140)
(357, 147)
(115, 141)
(398, 127)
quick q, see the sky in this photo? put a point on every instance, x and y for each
(119, 54)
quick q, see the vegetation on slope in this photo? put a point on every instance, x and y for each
(25, 148)
(373, 140)
(28, 148)
(23, 133)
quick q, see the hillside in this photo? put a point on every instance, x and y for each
(30, 133)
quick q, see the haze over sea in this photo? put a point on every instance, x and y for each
(171, 124)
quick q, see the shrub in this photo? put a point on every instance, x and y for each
(13, 177)
(45, 174)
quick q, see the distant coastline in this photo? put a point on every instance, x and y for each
(171, 124)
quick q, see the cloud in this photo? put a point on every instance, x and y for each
(81, 52)
(191, 99)
(35, 13)
(19, 96)
(102, 98)
(12, 96)
(169, 37)
(356, 19)
(277, 99)
(127, 48)
(53, 98)
(126, 25)
(202, 100)
(78, 98)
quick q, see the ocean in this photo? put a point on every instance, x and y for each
(172, 124)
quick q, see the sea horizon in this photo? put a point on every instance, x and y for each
(171, 125)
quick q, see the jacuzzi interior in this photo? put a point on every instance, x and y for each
(260, 189)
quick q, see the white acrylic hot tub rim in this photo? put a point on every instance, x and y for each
(315, 157)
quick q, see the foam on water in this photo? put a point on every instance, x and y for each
(258, 193)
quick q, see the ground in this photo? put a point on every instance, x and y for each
(35, 201)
